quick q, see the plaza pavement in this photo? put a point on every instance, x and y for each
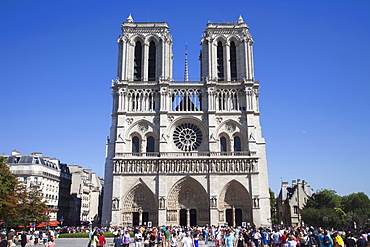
(82, 242)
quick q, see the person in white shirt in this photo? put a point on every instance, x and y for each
(187, 241)
(138, 239)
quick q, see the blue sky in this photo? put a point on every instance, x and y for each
(57, 59)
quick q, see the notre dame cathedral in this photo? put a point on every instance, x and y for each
(185, 152)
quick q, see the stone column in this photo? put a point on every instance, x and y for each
(188, 217)
(227, 69)
(145, 62)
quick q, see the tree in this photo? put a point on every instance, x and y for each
(358, 206)
(8, 199)
(320, 209)
(274, 220)
(18, 205)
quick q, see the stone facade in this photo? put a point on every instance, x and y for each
(40, 173)
(86, 191)
(290, 200)
(185, 152)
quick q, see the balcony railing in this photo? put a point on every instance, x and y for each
(35, 184)
(185, 154)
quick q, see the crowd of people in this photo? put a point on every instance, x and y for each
(238, 237)
(36, 237)
(222, 236)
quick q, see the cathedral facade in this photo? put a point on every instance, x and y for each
(185, 152)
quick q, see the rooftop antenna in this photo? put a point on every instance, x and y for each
(186, 74)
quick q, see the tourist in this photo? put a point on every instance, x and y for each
(51, 242)
(187, 241)
(349, 241)
(291, 242)
(229, 239)
(276, 238)
(101, 239)
(94, 239)
(326, 240)
(3, 242)
(138, 238)
(205, 234)
(117, 241)
(126, 238)
(167, 235)
(196, 240)
(24, 239)
(338, 240)
(174, 240)
(360, 241)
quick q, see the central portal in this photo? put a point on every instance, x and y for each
(184, 217)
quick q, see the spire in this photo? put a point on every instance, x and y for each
(240, 19)
(129, 18)
(186, 74)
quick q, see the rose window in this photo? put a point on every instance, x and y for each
(187, 137)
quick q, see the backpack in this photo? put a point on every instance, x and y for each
(326, 241)
(312, 240)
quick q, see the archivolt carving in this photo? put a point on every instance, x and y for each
(235, 195)
(140, 197)
(188, 193)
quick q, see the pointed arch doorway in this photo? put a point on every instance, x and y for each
(235, 201)
(139, 206)
(188, 199)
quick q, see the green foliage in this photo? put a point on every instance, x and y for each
(358, 206)
(324, 199)
(326, 209)
(74, 235)
(274, 219)
(19, 206)
(83, 235)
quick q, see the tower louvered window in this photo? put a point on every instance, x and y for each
(150, 144)
(220, 61)
(237, 144)
(223, 144)
(233, 61)
(137, 61)
(135, 144)
(151, 64)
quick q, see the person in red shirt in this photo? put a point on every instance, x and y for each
(284, 239)
(102, 239)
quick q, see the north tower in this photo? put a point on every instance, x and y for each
(181, 152)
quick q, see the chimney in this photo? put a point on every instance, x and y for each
(15, 152)
(37, 154)
(294, 183)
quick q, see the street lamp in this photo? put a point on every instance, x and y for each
(325, 219)
(349, 219)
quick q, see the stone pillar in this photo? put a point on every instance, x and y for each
(227, 74)
(145, 62)
(233, 216)
(188, 217)
(141, 217)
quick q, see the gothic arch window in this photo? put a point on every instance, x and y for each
(237, 144)
(152, 61)
(220, 61)
(223, 144)
(233, 61)
(135, 144)
(137, 60)
(150, 144)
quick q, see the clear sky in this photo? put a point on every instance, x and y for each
(57, 59)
